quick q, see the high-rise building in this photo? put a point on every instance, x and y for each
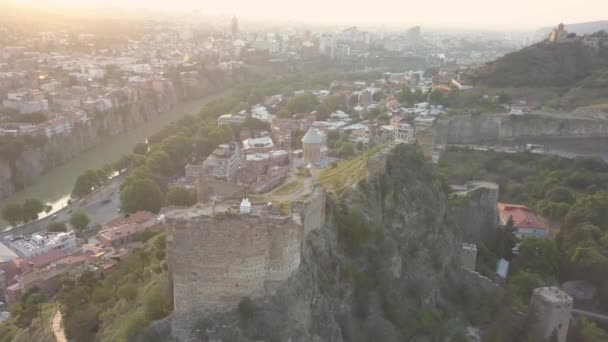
(235, 27)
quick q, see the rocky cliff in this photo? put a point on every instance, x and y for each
(381, 268)
(134, 107)
(476, 129)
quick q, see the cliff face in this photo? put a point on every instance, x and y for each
(138, 106)
(375, 271)
(496, 128)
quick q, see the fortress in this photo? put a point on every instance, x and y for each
(217, 256)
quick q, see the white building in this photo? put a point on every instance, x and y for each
(231, 119)
(403, 131)
(261, 113)
(263, 144)
(26, 101)
(40, 243)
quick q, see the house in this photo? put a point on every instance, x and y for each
(37, 244)
(261, 113)
(231, 119)
(224, 162)
(258, 145)
(122, 230)
(525, 221)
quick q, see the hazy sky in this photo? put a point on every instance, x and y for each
(510, 14)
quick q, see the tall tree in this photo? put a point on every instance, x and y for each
(79, 219)
(141, 194)
(13, 213)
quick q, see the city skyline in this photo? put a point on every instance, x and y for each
(517, 15)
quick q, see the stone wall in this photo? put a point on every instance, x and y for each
(215, 262)
(313, 213)
(482, 129)
(479, 216)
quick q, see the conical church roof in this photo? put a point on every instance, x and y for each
(312, 137)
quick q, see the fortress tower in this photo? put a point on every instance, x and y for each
(217, 256)
(552, 307)
(424, 136)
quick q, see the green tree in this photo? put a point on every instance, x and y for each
(86, 182)
(57, 227)
(141, 194)
(256, 124)
(181, 196)
(538, 256)
(82, 324)
(159, 162)
(140, 148)
(79, 219)
(128, 292)
(302, 103)
(246, 309)
(31, 208)
(13, 213)
(523, 283)
(583, 330)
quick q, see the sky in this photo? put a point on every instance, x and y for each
(476, 14)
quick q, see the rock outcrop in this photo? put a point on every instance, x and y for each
(383, 262)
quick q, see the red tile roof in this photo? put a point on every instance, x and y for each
(48, 257)
(523, 217)
(137, 218)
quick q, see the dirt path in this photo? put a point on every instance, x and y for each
(57, 328)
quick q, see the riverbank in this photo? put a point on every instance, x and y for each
(55, 186)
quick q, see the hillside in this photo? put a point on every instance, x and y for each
(542, 65)
(581, 28)
(385, 266)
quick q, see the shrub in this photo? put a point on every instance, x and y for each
(246, 309)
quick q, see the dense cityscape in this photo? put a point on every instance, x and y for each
(217, 178)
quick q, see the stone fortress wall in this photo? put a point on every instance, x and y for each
(216, 260)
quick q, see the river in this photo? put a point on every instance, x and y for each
(54, 187)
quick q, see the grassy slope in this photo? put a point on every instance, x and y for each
(39, 331)
(347, 172)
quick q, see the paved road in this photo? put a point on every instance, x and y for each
(596, 316)
(94, 205)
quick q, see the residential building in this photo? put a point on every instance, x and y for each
(231, 119)
(40, 243)
(525, 221)
(224, 162)
(26, 101)
(193, 172)
(258, 145)
(121, 231)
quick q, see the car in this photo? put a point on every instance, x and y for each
(106, 201)
(70, 211)
(54, 217)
